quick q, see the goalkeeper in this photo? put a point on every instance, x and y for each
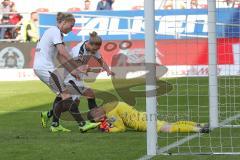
(120, 116)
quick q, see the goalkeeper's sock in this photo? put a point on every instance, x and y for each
(183, 128)
(91, 103)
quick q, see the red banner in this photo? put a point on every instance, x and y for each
(169, 52)
(123, 53)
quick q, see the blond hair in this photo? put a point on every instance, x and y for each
(95, 39)
(64, 17)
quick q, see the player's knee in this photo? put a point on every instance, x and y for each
(69, 104)
(73, 107)
(65, 95)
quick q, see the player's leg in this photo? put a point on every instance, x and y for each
(183, 127)
(45, 77)
(78, 87)
(58, 108)
(71, 105)
(46, 115)
(90, 97)
(204, 127)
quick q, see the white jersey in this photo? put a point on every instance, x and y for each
(46, 49)
(80, 50)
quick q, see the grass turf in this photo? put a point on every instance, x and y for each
(22, 137)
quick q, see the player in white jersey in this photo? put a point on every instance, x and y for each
(80, 53)
(49, 47)
(85, 49)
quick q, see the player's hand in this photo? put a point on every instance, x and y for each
(95, 70)
(110, 73)
(83, 69)
(75, 74)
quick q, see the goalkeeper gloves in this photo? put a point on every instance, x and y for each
(104, 126)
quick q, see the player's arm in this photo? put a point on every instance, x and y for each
(116, 129)
(105, 66)
(69, 63)
(117, 125)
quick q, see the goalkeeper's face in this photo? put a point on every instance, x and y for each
(97, 114)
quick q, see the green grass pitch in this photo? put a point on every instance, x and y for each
(23, 138)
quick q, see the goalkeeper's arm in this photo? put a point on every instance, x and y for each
(116, 129)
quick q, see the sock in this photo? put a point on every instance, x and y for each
(73, 109)
(91, 103)
(57, 100)
(55, 124)
(57, 110)
(56, 113)
(81, 124)
(50, 113)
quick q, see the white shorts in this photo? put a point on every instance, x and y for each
(61, 82)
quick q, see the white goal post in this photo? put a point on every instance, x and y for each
(216, 97)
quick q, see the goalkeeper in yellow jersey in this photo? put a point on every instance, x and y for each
(118, 116)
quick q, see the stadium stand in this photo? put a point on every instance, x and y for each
(10, 22)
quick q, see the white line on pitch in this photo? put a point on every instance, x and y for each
(186, 139)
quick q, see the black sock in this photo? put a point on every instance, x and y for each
(75, 112)
(55, 124)
(91, 103)
(57, 110)
(57, 100)
(50, 113)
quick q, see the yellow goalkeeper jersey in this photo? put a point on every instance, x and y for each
(125, 116)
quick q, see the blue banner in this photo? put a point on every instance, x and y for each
(169, 24)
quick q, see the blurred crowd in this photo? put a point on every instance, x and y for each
(14, 26)
(199, 4)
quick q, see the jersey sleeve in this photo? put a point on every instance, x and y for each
(75, 50)
(116, 122)
(116, 129)
(98, 55)
(57, 37)
(118, 125)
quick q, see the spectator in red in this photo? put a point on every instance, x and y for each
(14, 17)
(8, 6)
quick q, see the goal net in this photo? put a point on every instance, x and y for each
(203, 92)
